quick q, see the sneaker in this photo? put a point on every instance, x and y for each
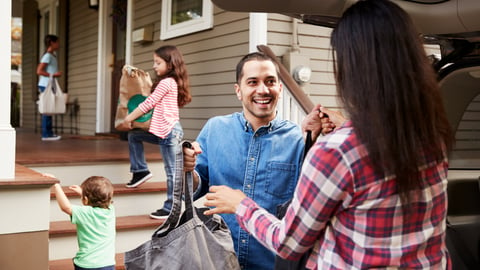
(52, 138)
(160, 214)
(139, 178)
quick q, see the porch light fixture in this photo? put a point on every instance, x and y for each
(93, 4)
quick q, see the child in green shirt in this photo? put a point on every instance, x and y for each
(95, 221)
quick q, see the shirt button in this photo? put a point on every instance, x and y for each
(243, 241)
(249, 186)
(252, 159)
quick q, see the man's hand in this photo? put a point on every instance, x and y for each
(190, 156)
(322, 121)
(317, 122)
(190, 160)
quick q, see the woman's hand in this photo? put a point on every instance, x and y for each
(223, 199)
(317, 122)
(335, 119)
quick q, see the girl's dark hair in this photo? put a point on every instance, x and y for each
(98, 190)
(390, 91)
(174, 59)
(49, 39)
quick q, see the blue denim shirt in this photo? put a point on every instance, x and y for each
(264, 164)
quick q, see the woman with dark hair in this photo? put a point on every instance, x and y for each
(48, 67)
(372, 194)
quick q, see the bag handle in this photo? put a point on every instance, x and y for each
(54, 85)
(308, 143)
(188, 187)
(182, 187)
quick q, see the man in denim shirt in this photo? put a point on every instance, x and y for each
(253, 151)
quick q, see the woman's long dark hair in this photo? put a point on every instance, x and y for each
(390, 91)
(174, 59)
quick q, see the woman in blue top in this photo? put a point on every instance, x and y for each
(48, 67)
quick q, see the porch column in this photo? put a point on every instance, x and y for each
(7, 133)
(258, 30)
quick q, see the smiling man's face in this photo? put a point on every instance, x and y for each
(259, 90)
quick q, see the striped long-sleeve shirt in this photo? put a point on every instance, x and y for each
(352, 217)
(165, 107)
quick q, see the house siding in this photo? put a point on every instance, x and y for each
(210, 55)
(82, 63)
(79, 79)
(312, 42)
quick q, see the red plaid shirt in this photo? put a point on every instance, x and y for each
(352, 217)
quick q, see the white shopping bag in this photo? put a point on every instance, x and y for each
(52, 100)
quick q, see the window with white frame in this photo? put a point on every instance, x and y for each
(181, 17)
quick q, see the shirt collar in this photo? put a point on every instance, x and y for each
(272, 125)
(347, 124)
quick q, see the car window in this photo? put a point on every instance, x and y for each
(466, 152)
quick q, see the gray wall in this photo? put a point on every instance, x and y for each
(210, 55)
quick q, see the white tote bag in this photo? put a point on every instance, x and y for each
(52, 100)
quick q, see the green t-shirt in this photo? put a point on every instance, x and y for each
(95, 236)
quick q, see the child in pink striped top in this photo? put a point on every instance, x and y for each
(171, 92)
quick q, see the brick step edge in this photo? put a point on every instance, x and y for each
(62, 228)
(67, 264)
(122, 189)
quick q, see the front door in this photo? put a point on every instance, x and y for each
(119, 18)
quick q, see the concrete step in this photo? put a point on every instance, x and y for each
(141, 200)
(117, 172)
(132, 207)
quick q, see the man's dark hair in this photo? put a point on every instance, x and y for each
(253, 56)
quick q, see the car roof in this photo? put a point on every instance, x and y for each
(436, 17)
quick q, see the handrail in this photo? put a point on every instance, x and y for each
(303, 100)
